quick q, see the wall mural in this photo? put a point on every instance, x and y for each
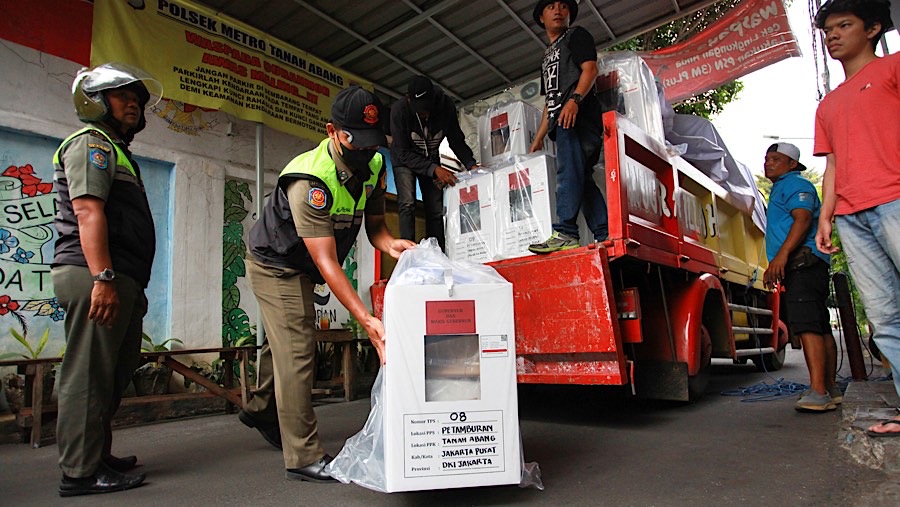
(235, 322)
(28, 305)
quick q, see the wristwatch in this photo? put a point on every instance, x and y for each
(107, 275)
(577, 97)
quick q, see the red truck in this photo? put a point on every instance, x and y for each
(678, 282)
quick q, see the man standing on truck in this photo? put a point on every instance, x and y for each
(794, 261)
(572, 119)
(857, 130)
(419, 122)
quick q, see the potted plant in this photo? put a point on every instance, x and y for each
(15, 385)
(153, 377)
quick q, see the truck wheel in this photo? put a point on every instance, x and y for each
(698, 383)
(770, 362)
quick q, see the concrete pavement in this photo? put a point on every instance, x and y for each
(595, 447)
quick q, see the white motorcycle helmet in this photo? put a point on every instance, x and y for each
(91, 104)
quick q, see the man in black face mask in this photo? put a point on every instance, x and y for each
(307, 228)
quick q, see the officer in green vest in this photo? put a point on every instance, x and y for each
(306, 230)
(101, 266)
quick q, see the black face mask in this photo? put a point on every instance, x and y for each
(357, 159)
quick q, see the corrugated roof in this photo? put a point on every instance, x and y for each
(471, 48)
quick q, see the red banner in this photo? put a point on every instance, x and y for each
(753, 35)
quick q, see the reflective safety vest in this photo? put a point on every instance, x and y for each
(129, 221)
(274, 240)
(121, 158)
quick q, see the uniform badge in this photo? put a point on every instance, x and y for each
(99, 147)
(98, 159)
(370, 114)
(317, 198)
(369, 190)
(804, 196)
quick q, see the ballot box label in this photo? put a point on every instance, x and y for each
(494, 346)
(453, 443)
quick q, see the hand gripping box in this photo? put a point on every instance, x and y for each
(525, 204)
(451, 415)
(508, 130)
(470, 217)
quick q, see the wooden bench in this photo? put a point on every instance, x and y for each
(347, 342)
(34, 370)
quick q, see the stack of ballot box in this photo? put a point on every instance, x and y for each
(450, 405)
(496, 213)
(508, 130)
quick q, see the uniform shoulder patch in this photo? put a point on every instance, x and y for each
(805, 197)
(317, 199)
(98, 159)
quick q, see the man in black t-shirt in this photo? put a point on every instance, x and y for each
(572, 119)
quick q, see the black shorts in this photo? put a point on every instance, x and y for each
(806, 293)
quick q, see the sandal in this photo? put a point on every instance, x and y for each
(885, 434)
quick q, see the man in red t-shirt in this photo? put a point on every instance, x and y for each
(858, 131)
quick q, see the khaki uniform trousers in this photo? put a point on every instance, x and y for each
(96, 369)
(285, 298)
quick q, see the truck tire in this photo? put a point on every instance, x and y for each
(697, 384)
(770, 362)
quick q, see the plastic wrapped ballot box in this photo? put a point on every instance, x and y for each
(451, 414)
(625, 83)
(508, 130)
(525, 204)
(470, 217)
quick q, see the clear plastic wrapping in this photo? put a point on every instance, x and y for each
(444, 411)
(507, 130)
(626, 82)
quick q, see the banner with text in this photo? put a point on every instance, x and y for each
(212, 61)
(753, 35)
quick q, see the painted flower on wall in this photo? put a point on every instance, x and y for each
(7, 241)
(31, 184)
(7, 305)
(22, 256)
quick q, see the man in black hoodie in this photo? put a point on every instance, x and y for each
(419, 122)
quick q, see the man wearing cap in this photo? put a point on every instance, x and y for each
(419, 122)
(101, 266)
(795, 262)
(857, 131)
(572, 119)
(307, 227)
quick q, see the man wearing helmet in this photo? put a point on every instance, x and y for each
(101, 266)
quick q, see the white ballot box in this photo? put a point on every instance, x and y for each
(470, 217)
(508, 130)
(450, 411)
(525, 204)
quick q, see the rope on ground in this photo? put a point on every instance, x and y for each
(763, 391)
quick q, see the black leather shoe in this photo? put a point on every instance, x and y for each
(104, 480)
(269, 431)
(314, 472)
(120, 464)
